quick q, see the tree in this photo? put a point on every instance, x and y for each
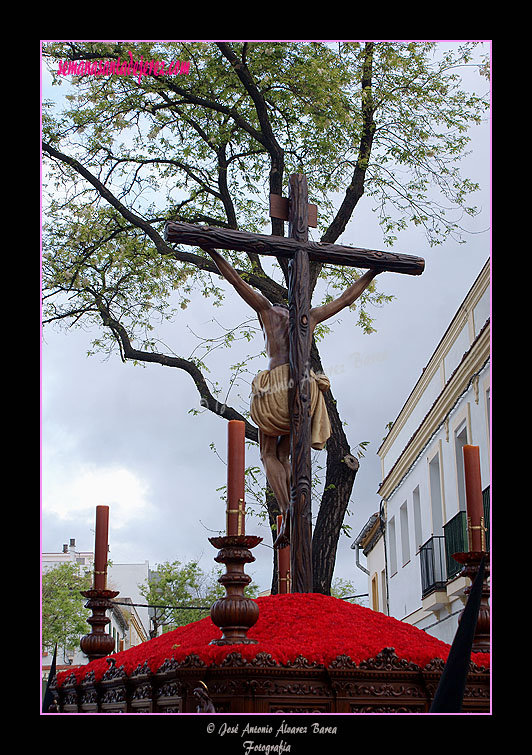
(344, 588)
(64, 618)
(131, 151)
(174, 588)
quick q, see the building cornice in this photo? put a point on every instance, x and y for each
(139, 628)
(372, 537)
(472, 362)
(434, 365)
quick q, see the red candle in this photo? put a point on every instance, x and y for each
(473, 486)
(283, 563)
(101, 547)
(236, 455)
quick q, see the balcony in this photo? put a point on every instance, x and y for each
(436, 557)
(456, 541)
(433, 565)
(486, 502)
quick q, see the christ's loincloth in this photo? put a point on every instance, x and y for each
(269, 404)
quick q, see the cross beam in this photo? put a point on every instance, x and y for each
(211, 237)
(300, 251)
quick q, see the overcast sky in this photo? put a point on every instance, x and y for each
(122, 435)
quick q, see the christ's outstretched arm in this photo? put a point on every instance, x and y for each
(350, 295)
(256, 300)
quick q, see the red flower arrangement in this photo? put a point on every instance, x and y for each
(317, 627)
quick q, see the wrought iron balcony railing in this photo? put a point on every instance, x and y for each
(433, 565)
(486, 502)
(456, 541)
(436, 556)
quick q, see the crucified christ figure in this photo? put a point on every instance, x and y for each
(269, 399)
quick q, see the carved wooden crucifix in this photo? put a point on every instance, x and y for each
(299, 250)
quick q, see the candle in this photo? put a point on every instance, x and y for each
(236, 436)
(101, 547)
(475, 507)
(283, 563)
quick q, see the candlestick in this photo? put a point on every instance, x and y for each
(101, 547)
(235, 614)
(283, 564)
(235, 513)
(98, 644)
(471, 565)
(475, 507)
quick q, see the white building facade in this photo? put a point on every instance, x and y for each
(412, 575)
(371, 542)
(129, 623)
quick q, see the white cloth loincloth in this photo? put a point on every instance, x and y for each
(269, 404)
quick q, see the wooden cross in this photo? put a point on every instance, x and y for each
(299, 250)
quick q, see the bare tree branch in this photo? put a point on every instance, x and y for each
(356, 188)
(272, 290)
(207, 399)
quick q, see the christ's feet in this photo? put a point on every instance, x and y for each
(283, 538)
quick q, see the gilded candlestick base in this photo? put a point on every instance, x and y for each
(235, 614)
(98, 643)
(471, 562)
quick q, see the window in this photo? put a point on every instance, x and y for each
(418, 531)
(383, 590)
(392, 546)
(460, 440)
(405, 545)
(435, 495)
(374, 593)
